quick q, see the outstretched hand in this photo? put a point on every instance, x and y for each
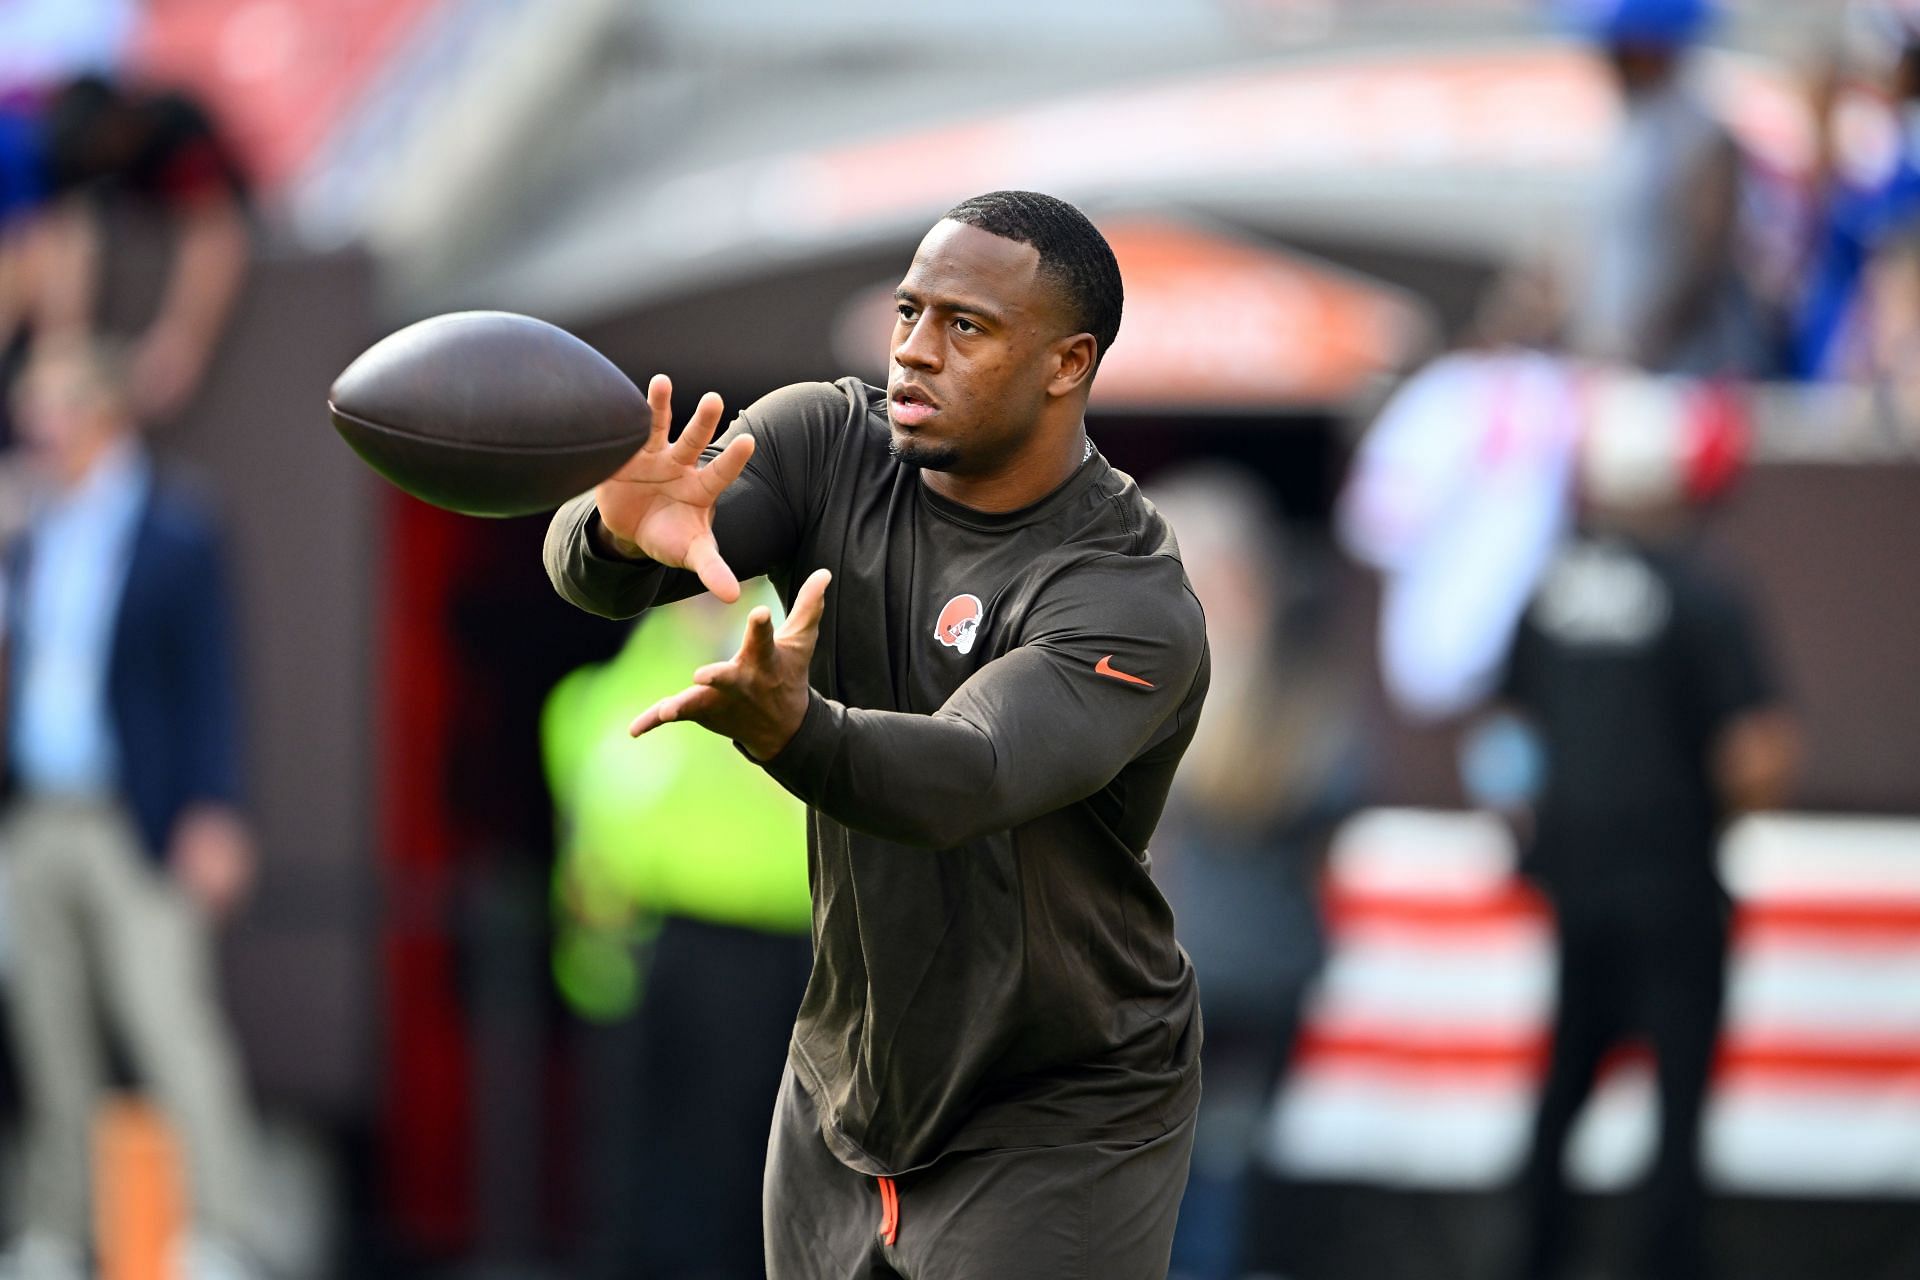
(660, 504)
(758, 697)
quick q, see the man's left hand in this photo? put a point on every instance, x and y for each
(211, 856)
(759, 696)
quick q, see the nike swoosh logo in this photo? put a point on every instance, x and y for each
(1105, 667)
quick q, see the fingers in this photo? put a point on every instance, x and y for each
(726, 468)
(808, 604)
(660, 402)
(756, 650)
(703, 557)
(700, 429)
(713, 671)
(686, 704)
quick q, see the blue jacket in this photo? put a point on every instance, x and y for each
(172, 684)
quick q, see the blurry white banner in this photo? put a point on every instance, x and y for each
(1425, 1042)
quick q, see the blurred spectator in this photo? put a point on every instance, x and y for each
(1892, 326)
(122, 835)
(158, 153)
(684, 934)
(1660, 283)
(23, 194)
(1640, 674)
(1272, 769)
(1867, 196)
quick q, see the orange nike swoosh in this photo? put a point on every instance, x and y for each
(1105, 667)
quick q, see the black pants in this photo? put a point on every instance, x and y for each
(1081, 1211)
(1655, 969)
(679, 1098)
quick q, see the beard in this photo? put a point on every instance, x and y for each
(928, 455)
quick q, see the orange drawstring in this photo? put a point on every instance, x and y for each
(889, 1210)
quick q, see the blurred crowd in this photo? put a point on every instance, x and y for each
(1700, 254)
(1702, 257)
(125, 835)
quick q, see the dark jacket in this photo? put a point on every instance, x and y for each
(172, 684)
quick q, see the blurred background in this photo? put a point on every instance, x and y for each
(1433, 305)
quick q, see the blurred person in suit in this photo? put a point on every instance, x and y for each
(123, 839)
(1273, 768)
(1644, 717)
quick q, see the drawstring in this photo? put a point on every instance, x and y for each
(889, 1210)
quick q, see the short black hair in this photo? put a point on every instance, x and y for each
(1072, 252)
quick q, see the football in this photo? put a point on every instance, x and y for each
(488, 413)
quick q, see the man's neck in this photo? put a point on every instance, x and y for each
(1021, 483)
(89, 460)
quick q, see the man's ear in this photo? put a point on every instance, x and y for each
(1074, 358)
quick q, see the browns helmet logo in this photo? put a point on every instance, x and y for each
(959, 623)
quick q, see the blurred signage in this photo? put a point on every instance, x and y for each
(1214, 320)
(278, 74)
(1428, 1036)
(1540, 110)
(1536, 109)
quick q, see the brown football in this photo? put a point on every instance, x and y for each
(488, 413)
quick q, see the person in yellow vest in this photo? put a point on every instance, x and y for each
(682, 939)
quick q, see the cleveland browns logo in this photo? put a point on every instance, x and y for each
(959, 623)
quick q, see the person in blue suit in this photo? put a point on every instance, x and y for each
(122, 837)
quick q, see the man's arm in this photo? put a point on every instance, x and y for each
(1030, 733)
(210, 850)
(1755, 760)
(209, 676)
(1107, 664)
(209, 266)
(60, 264)
(1755, 743)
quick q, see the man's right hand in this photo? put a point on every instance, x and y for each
(660, 504)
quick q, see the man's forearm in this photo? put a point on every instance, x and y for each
(1755, 760)
(208, 269)
(610, 544)
(610, 584)
(1025, 738)
(928, 781)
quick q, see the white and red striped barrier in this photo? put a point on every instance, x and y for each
(1427, 1036)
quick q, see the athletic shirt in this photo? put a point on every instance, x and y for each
(998, 705)
(1631, 661)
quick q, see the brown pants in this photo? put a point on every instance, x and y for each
(92, 916)
(1082, 1211)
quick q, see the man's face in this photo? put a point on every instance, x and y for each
(972, 350)
(54, 405)
(62, 411)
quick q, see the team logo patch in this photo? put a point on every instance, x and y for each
(959, 623)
